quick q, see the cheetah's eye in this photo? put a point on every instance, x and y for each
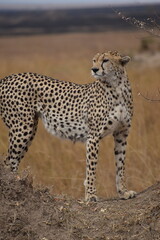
(94, 60)
(105, 60)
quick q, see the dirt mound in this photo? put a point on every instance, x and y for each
(27, 213)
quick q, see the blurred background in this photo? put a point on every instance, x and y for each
(59, 39)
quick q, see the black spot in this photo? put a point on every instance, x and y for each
(110, 122)
(118, 140)
(116, 152)
(93, 154)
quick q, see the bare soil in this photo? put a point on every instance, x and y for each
(32, 213)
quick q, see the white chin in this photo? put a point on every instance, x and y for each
(96, 76)
(99, 77)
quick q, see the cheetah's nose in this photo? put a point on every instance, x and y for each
(95, 70)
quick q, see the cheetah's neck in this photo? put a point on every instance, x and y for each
(117, 81)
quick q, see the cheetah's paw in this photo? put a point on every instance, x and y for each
(128, 194)
(91, 198)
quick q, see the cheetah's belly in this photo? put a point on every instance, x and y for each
(73, 130)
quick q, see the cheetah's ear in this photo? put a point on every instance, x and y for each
(124, 60)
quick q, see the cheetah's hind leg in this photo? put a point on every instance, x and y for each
(20, 138)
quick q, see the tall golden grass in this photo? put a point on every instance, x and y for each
(60, 163)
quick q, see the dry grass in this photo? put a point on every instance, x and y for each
(61, 163)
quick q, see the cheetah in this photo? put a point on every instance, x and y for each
(79, 112)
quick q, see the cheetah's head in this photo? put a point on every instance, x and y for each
(108, 66)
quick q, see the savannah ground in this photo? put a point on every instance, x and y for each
(28, 213)
(60, 164)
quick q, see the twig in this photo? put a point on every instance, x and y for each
(140, 24)
(148, 99)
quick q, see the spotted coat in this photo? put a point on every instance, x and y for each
(79, 112)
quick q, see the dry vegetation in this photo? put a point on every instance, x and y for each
(29, 213)
(61, 163)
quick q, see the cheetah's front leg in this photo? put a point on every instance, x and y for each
(91, 162)
(120, 154)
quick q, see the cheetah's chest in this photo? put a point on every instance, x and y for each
(117, 118)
